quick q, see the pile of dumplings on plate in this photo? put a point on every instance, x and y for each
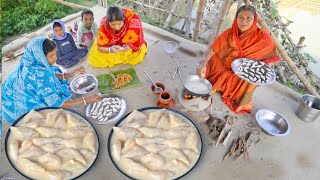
(52, 144)
(155, 145)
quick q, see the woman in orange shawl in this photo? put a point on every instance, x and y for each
(120, 39)
(243, 39)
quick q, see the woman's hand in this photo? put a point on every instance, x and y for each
(93, 99)
(80, 70)
(125, 48)
(201, 70)
(115, 48)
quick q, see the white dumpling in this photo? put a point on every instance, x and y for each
(177, 122)
(69, 153)
(192, 156)
(50, 161)
(52, 148)
(146, 141)
(89, 141)
(48, 132)
(88, 155)
(58, 175)
(137, 170)
(150, 132)
(176, 143)
(135, 153)
(42, 141)
(155, 116)
(172, 154)
(135, 124)
(180, 132)
(152, 161)
(176, 166)
(13, 149)
(155, 148)
(116, 150)
(135, 115)
(22, 133)
(160, 175)
(61, 122)
(192, 142)
(128, 145)
(124, 133)
(75, 143)
(52, 116)
(25, 145)
(73, 122)
(30, 167)
(32, 124)
(72, 165)
(164, 122)
(32, 152)
(32, 115)
(75, 132)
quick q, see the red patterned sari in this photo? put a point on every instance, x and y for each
(254, 43)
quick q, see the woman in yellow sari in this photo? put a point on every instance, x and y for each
(120, 40)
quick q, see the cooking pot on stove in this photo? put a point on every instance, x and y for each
(197, 86)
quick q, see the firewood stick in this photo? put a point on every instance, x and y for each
(227, 138)
(233, 147)
(239, 147)
(246, 154)
(16, 55)
(219, 138)
(234, 143)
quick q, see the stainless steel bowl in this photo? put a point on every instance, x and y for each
(84, 84)
(272, 122)
(170, 46)
(196, 85)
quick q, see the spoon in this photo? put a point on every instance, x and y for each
(157, 89)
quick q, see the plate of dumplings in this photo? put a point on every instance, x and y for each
(52, 143)
(108, 110)
(155, 143)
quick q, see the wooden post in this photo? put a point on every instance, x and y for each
(289, 61)
(301, 40)
(202, 5)
(103, 3)
(174, 5)
(73, 5)
(188, 19)
(223, 14)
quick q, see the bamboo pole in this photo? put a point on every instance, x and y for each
(174, 5)
(73, 5)
(285, 56)
(200, 10)
(222, 16)
(188, 19)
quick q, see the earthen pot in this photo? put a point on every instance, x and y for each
(159, 84)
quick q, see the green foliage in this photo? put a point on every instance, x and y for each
(21, 16)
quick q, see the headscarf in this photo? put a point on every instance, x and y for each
(64, 31)
(131, 33)
(33, 84)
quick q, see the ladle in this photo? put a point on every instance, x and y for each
(157, 89)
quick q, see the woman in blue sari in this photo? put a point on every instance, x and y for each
(35, 83)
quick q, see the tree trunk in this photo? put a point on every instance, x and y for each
(188, 19)
(202, 5)
(70, 4)
(174, 5)
(221, 18)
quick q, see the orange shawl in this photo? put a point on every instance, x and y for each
(131, 33)
(254, 43)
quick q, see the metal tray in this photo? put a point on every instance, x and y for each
(115, 116)
(235, 68)
(179, 114)
(49, 108)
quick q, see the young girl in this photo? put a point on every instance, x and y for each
(67, 52)
(85, 28)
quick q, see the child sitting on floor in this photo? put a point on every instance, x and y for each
(85, 28)
(67, 52)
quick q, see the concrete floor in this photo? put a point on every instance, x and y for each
(295, 156)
